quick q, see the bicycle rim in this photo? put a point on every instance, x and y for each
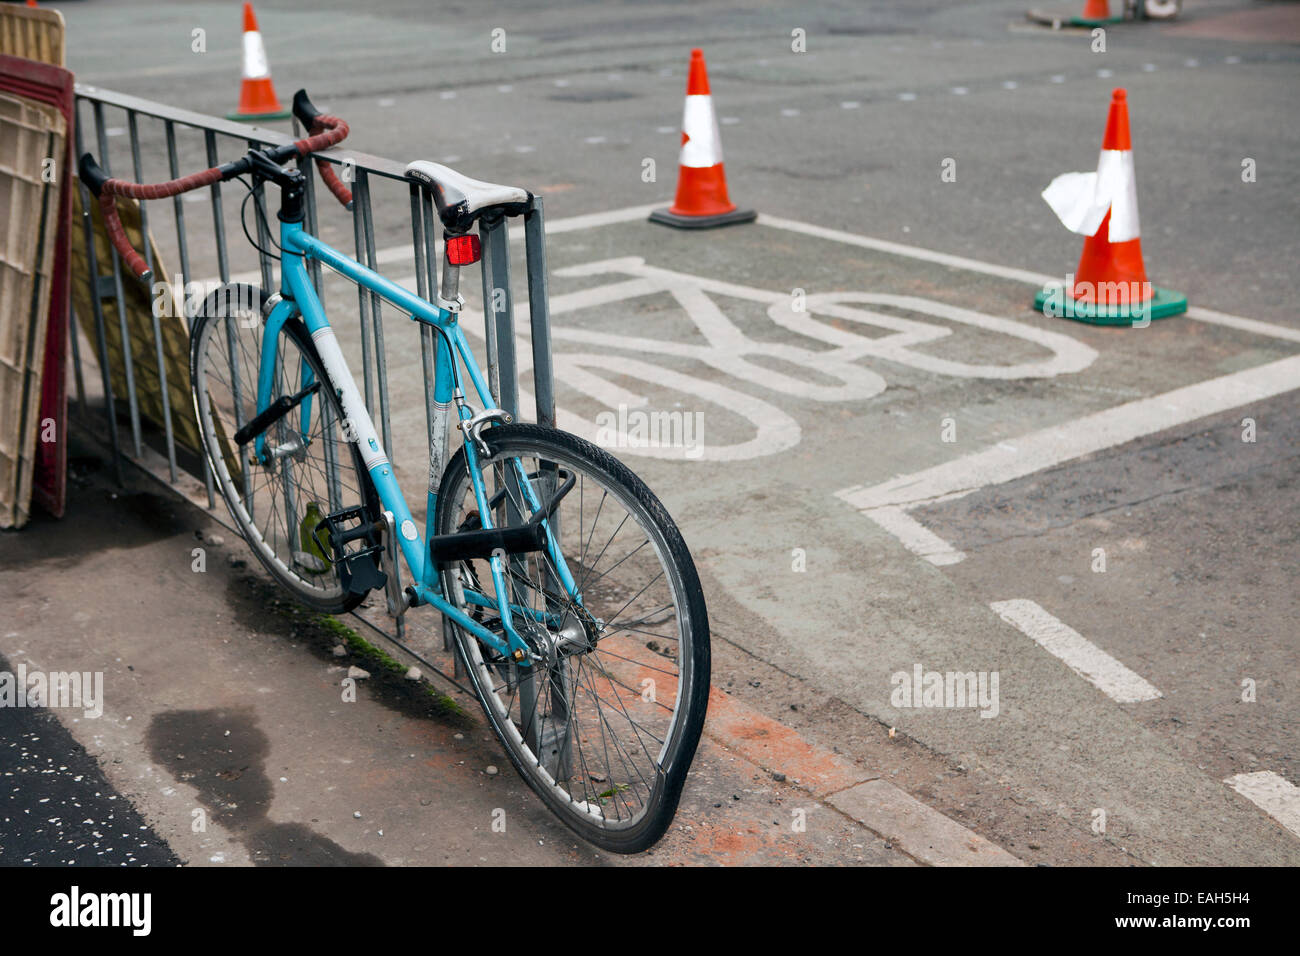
(604, 723)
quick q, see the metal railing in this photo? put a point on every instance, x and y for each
(191, 141)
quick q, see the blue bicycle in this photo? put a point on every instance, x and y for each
(574, 602)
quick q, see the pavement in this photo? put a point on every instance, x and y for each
(912, 474)
(224, 733)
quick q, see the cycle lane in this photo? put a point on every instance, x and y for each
(809, 362)
(869, 609)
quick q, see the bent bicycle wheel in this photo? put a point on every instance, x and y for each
(311, 470)
(604, 722)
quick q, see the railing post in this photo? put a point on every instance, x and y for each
(97, 310)
(128, 360)
(165, 395)
(539, 312)
(498, 315)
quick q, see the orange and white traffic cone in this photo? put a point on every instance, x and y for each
(257, 100)
(1096, 13)
(701, 200)
(1110, 286)
(1098, 10)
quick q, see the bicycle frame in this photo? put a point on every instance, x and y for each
(299, 299)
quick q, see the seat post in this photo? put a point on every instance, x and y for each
(450, 287)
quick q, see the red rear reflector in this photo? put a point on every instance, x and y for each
(463, 250)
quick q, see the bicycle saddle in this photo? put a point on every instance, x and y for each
(461, 200)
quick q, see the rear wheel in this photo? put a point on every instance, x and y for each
(604, 722)
(313, 470)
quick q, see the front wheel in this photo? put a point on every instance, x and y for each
(604, 722)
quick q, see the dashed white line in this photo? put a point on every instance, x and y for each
(1077, 652)
(1272, 793)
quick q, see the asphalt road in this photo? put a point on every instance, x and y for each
(1129, 452)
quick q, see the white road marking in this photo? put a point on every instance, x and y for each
(1081, 436)
(915, 536)
(900, 249)
(1272, 793)
(1077, 652)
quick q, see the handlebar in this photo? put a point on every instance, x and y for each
(325, 128)
(324, 131)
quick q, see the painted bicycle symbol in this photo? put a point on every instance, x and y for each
(605, 356)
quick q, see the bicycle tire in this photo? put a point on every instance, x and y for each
(566, 451)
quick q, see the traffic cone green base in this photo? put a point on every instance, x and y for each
(1055, 302)
(1058, 20)
(259, 117)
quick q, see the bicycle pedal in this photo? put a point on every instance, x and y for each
(359, 570)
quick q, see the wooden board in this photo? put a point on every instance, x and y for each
(32, 146)
(51, 84)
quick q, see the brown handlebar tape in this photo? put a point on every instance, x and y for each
(327, 131)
